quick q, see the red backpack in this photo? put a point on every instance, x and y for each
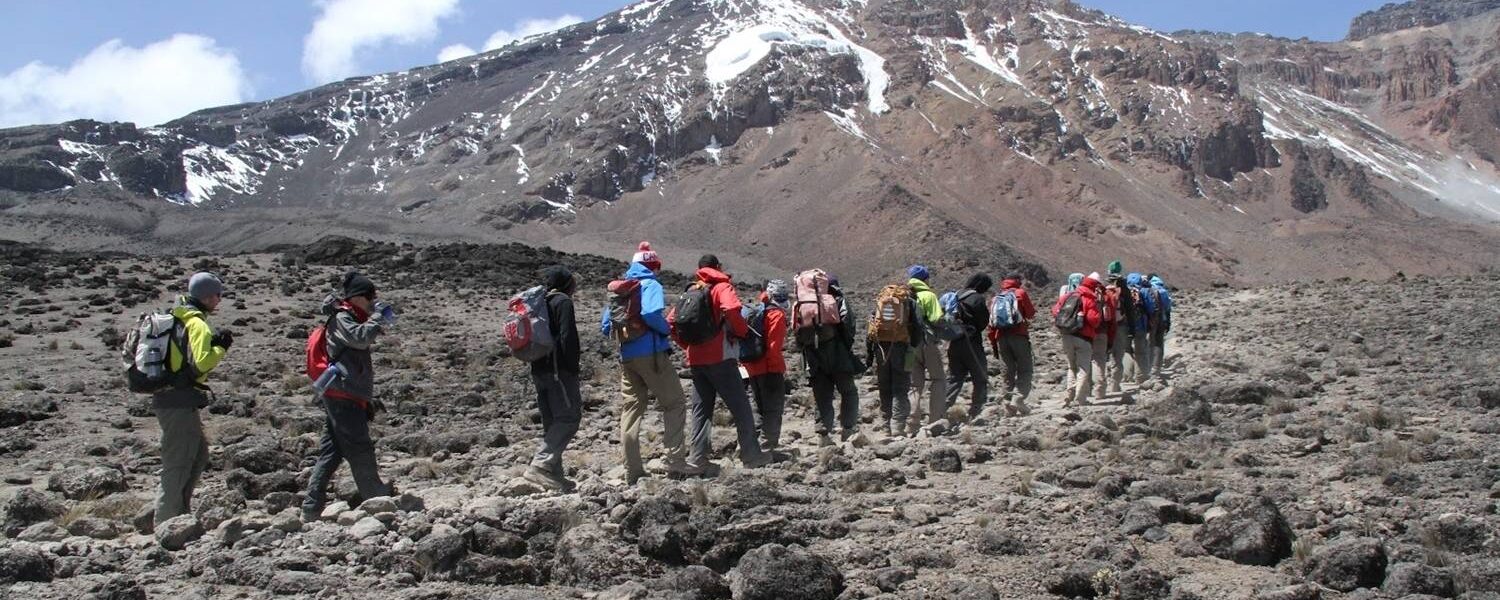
(317, 350)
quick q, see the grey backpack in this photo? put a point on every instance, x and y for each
(147, 353)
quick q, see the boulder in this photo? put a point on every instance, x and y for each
(90, 483)
(1079, 579)
(1303, 591)
(368, 527)
(24, 564)
(489, 541)
(1459, 533)
(1251, 532)
(441, 550)
(27, 507)
(694, 582)
(1349, 564)
(94, 527)
(1141, 583)
(776, 572)
(1182, 411)
(591, 557)
(179, 531)
(944, 460)
(1410, 579)
(997, 541)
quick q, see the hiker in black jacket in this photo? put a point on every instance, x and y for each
(966, 358)
(556, 378)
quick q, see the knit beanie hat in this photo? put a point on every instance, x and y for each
(918, 272)
(356, 284)
(710, 261)
(203, 285)
(778, 291)
(1116, 268)
(646, 256)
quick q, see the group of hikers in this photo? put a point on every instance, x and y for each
(1112, 328)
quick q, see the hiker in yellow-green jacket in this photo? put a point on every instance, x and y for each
(929, 356)
(184, 448)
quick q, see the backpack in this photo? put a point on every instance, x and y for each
(889, 322)
(1005, 310)
(318, 359)
(527, 326)
(625, 322)
(1163, 309)
(754, 346)
(1130, 308)
(693, 317)
(147, 352)
(951, 326)
(1069, 317)
(1156, 316)
(813, 304)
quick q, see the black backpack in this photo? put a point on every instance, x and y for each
(1069, 319)
(753, 347)
(693, 316)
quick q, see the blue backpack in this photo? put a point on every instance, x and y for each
(950, 327)
(1005, 311)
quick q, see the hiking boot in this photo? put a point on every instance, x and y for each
(633, 477)
(1019, 408)
(548, 479)
(824, 440)
(312, 515)
(707, 469)
(847, 433)
(759, 460)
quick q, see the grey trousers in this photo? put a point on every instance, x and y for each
(930, 364)
(561, 404)
(1158, 350)
(824, 385)
(1079, 353)
(1099, 355)
(346, 437)
(967, 362)
(710, 383)
(1015, 351)
(769, 392)
(184, 456)
(894, 382)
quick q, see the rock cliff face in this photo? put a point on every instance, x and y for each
(1420, 13)
(977, 133)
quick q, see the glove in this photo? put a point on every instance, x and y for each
(224, 339)
(374, 407)
(385, 312)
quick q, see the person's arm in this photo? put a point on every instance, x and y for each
(348, 333)
(846, 322)
(1092, 315)
(654, 307)
(1023, 300)
(775, 332)
(729, 309)
(568, 347)
(914, 326)
(604, 322)
(200, 337)
(932, 307)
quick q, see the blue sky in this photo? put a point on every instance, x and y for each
(58, 61)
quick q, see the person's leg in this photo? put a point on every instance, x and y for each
(937, 383)
(327, 464)
(704, 396)
(726, 379)
(1142, 343)
(900, 400)
(822, 388)
(1009, 358)
(885, 384)
(565, 403)
(770, 401)
(662, 381)
(633, 391)
(958, 371)
(979, 370)
(1099, 354)
(200, 463)
(1158, 351)
(351, 431)
(1070, 352)
(1117, 360)
(180, 439)
(848, 403)
(1083, 357)
(1025, 363)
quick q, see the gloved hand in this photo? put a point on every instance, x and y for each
(224, 339)
(374, 407)
(385, 312)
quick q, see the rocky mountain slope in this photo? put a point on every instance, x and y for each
(1348, 457)
(1030, 134)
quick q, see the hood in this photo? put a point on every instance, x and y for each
(187, 308)
(1075, 280)
(1134, 280)
(557, 278)
(917, 285)
(1156, 281)
(1092, 283)
(333, 304)
(1010, 284)
(1095, 277)
(712, 276)
(639, 271)
(980, 282)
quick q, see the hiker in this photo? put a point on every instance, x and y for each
(828, 352)
(1140, 341)
(184, 447)
(1162, 325)
(1099, 346)
(1075, 281)
(558, 396)
(767, 370)
(636, 318)
(1122, 363)
(1010, 339)
(929, 353)
(354, 321)
(707, 323)
(892, 336)
(1077, 318)
(966, 357)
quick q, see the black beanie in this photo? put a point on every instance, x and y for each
(710, 261)
(356, 284)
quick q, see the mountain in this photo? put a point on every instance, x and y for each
(862, 134)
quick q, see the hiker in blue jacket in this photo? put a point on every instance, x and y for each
(646, 369)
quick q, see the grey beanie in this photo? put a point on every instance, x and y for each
(204, 285)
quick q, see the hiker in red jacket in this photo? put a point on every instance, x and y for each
(1013, 346)
(1079, 347)
(714, 361)
(768, 372)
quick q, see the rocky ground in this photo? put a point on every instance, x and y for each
(1314, 440)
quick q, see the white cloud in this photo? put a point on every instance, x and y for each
(149, 85)
(528, 28)
(347, 26)
(454, 52)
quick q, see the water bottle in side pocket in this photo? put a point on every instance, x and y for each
(334, 371)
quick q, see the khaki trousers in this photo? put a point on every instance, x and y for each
(640, 378)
